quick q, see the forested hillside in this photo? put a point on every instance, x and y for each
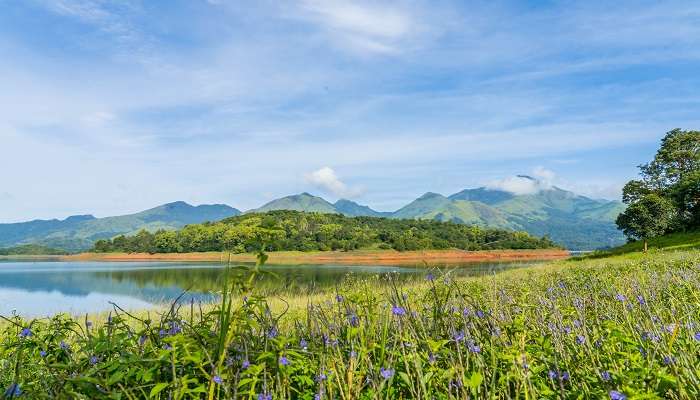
(295, 230)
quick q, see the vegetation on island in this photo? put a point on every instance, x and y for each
(30, 250)
(667, 197)
(614, 328)
(296, 230)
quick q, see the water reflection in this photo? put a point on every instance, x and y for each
(46, 288)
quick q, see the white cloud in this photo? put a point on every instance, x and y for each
(541, 179)
(366, 27)
(326, 179)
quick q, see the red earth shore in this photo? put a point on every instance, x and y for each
(378, 257)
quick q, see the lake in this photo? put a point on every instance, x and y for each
(44, 288)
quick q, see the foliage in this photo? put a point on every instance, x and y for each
(671, 179)
(650, 216)
(294, 230)
(583, 330)
(30, 249)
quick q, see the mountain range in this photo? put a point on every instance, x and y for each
(577, 222)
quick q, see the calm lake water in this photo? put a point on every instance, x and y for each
(36, 289)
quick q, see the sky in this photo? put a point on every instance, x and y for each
(112, 107)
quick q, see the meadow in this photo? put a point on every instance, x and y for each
(619, 327)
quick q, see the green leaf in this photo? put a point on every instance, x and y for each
(157, 389)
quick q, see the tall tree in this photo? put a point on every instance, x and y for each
(648, 217)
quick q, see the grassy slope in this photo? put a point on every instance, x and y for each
(675, 241)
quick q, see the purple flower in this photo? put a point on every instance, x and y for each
(697, 336)
(458, 336)
(605, 375)
(620, 297)
(430, 277)
(303, 344)
(25, 333)
(245, 364)
(386, 373)
(264, 396)
(641, 300)
(321, 377)
(431, 358)
(668, 360)
(551, 374)
(479, 313)
(13, 391)
(64, 346)
(94, 360)
(42, 353)
(284, 361)
(580, 339)
(272, 333)
(217, 379)
(353, 319)
(399, 311)
(473, 347)
(615, 395)
(353, 354)
(142, 340)
(339, 298)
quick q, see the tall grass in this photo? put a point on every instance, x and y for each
(592, 329)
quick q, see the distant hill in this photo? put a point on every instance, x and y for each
(577, 222)
(81, 231)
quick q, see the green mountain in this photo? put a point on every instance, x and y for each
(577, 222)
(298, 202)
(81, 231)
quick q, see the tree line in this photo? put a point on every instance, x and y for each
(667, 197)
(303, 231)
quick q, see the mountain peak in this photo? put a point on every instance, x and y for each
(430, 195)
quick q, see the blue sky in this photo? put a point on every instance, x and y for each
(110, 107)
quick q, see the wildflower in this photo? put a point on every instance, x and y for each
(458, 336)
(353, 354)
(473, 347)
(272, 333)
(303, 344)
(430, 277)
(42, 353)
(264, 396)
(26, 332)
(339, 298)
(620, 297)
(284, 361)
(668, 360)
(142, 340)
(615, 395)
(605, 375)
(399, 311)
(94, 360)
(564, 376)
(580, 339)
(567, 329)
(641, 300)
(353, 319)
(217, 379)
(13, 391)
(670, 328)
(479, 313)
(386, 373)
(431, 358)
(551, 374)
(167, 347)
(466, 312)
(578, 303)
(245, 364)
(697, 336)
(321, 377)
(64, 346)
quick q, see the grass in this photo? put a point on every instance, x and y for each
(597, 328)
(674, 241)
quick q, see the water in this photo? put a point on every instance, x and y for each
(44, 288)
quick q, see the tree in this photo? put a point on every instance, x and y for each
(648, 217)
(673, 174)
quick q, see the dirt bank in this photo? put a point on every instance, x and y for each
(379, 257)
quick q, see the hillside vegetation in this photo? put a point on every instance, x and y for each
(296, 230)
(80, 232)
(30, 249)
(669, 242)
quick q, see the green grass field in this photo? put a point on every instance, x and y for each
(624, 326)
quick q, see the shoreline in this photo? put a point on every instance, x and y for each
(371, 257)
